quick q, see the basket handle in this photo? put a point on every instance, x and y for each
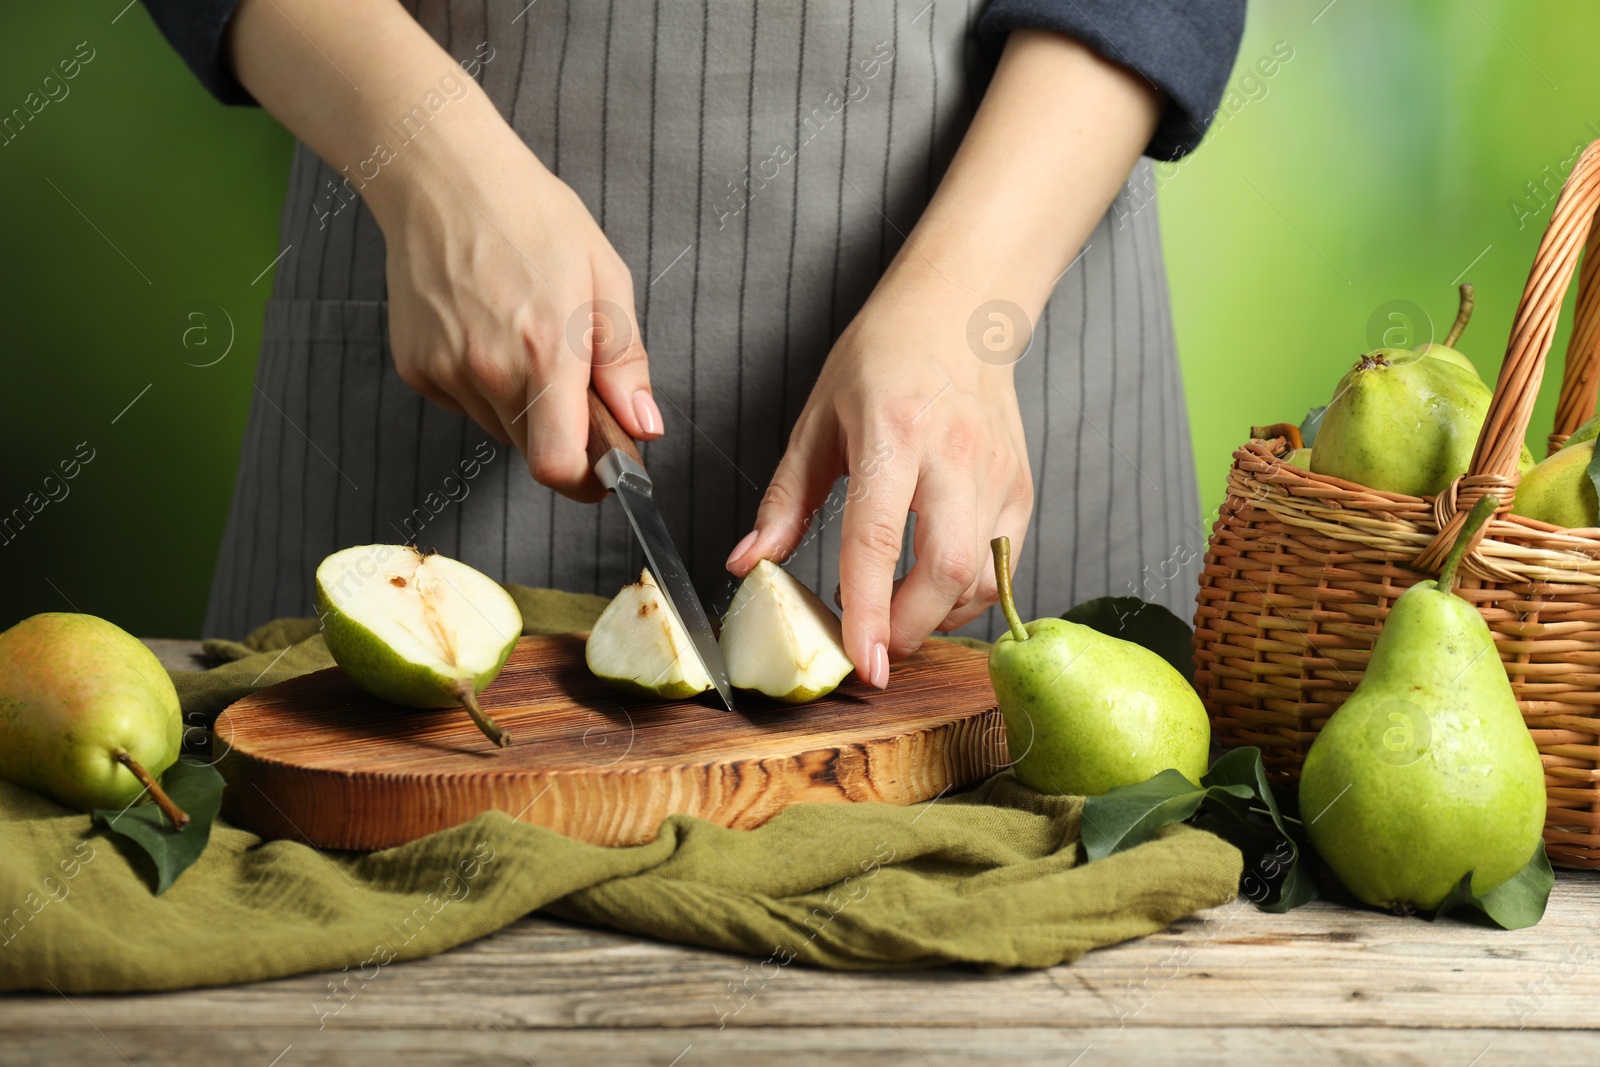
(1493, 470)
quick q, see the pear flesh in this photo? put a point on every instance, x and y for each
(779, 639)
(1559, 490)
(1402, 423)
(420, 631)
(639, 646)
(1427, 771)
(88, 716)
(1086, 712)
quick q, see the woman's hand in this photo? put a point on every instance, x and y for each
(922, 425)
(505, 299)
(916, 400)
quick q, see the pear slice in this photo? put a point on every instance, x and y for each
(421, 631)
(781, 640)
(639, 646)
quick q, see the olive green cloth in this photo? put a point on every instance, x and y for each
(990, 878)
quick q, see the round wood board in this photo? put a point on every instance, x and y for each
(316, 759)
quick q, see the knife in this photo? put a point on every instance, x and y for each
(616, 462)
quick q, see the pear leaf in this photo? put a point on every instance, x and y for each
(1131, 814)
(1275, 878)
(1513, 904)
(1148, 625)
(194, 787)
(1233, 801)
(1310, 425)
(1594, 470)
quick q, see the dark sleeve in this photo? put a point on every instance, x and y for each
(1185, 48)
(194, 29)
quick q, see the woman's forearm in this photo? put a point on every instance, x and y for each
(367, 89)
(491, 260)
(1057, 133)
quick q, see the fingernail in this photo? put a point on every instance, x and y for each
(644, 407)
(741, 548)
(880, 666)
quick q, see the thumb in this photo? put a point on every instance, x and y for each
(606, 334)
(798, 490)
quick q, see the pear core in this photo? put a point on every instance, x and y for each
(780, 639)
(639, 646)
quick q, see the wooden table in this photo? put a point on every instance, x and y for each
(1321, 985)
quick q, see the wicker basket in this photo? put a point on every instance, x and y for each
(1302, 568)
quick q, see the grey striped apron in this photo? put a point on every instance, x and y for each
(657, 114)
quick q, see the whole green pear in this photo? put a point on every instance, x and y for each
(1085, 712)
(1560, 491)
(1427, 771)
(88, 716)
(1402, 422)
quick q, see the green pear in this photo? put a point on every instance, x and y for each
(1560, 491)
(1086, 712)
(639, 646)
(1427, 771)
(1446, 351)
(779, 639)
(1299, 457)
(420, 631)
(1402, 422)
(88, 715)
(1525, 461)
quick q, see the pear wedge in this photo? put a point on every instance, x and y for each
(639, 646)
(421, 631)
(779, 639)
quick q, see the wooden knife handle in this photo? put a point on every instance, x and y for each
(605, 433)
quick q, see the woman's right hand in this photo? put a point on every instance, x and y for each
(505, 299)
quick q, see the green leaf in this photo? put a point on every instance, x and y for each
(1148, 625)
(1272, 855)
(1233, 801)
(1513, 904)
(1131, 814)
(194, 787)
(1311, 425)
(1594, 470)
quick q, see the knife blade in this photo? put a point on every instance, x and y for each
(616, 462)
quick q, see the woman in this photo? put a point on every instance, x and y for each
(829, 224)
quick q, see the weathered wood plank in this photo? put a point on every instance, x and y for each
(880, 1046)
(1321, 965)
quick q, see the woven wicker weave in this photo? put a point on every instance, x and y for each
(1302, 568)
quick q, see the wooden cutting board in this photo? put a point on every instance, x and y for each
(316, 759)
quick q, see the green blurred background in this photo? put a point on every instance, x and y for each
(1391, 153)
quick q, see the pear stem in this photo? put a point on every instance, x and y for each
(1002, 581)
(176, 815)
(469, 699)
(1463, 315)
(1475, 518)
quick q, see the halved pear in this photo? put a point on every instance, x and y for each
(779, 639)
(421, 631)
(639, 646)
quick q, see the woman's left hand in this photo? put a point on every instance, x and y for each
(920, 423)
